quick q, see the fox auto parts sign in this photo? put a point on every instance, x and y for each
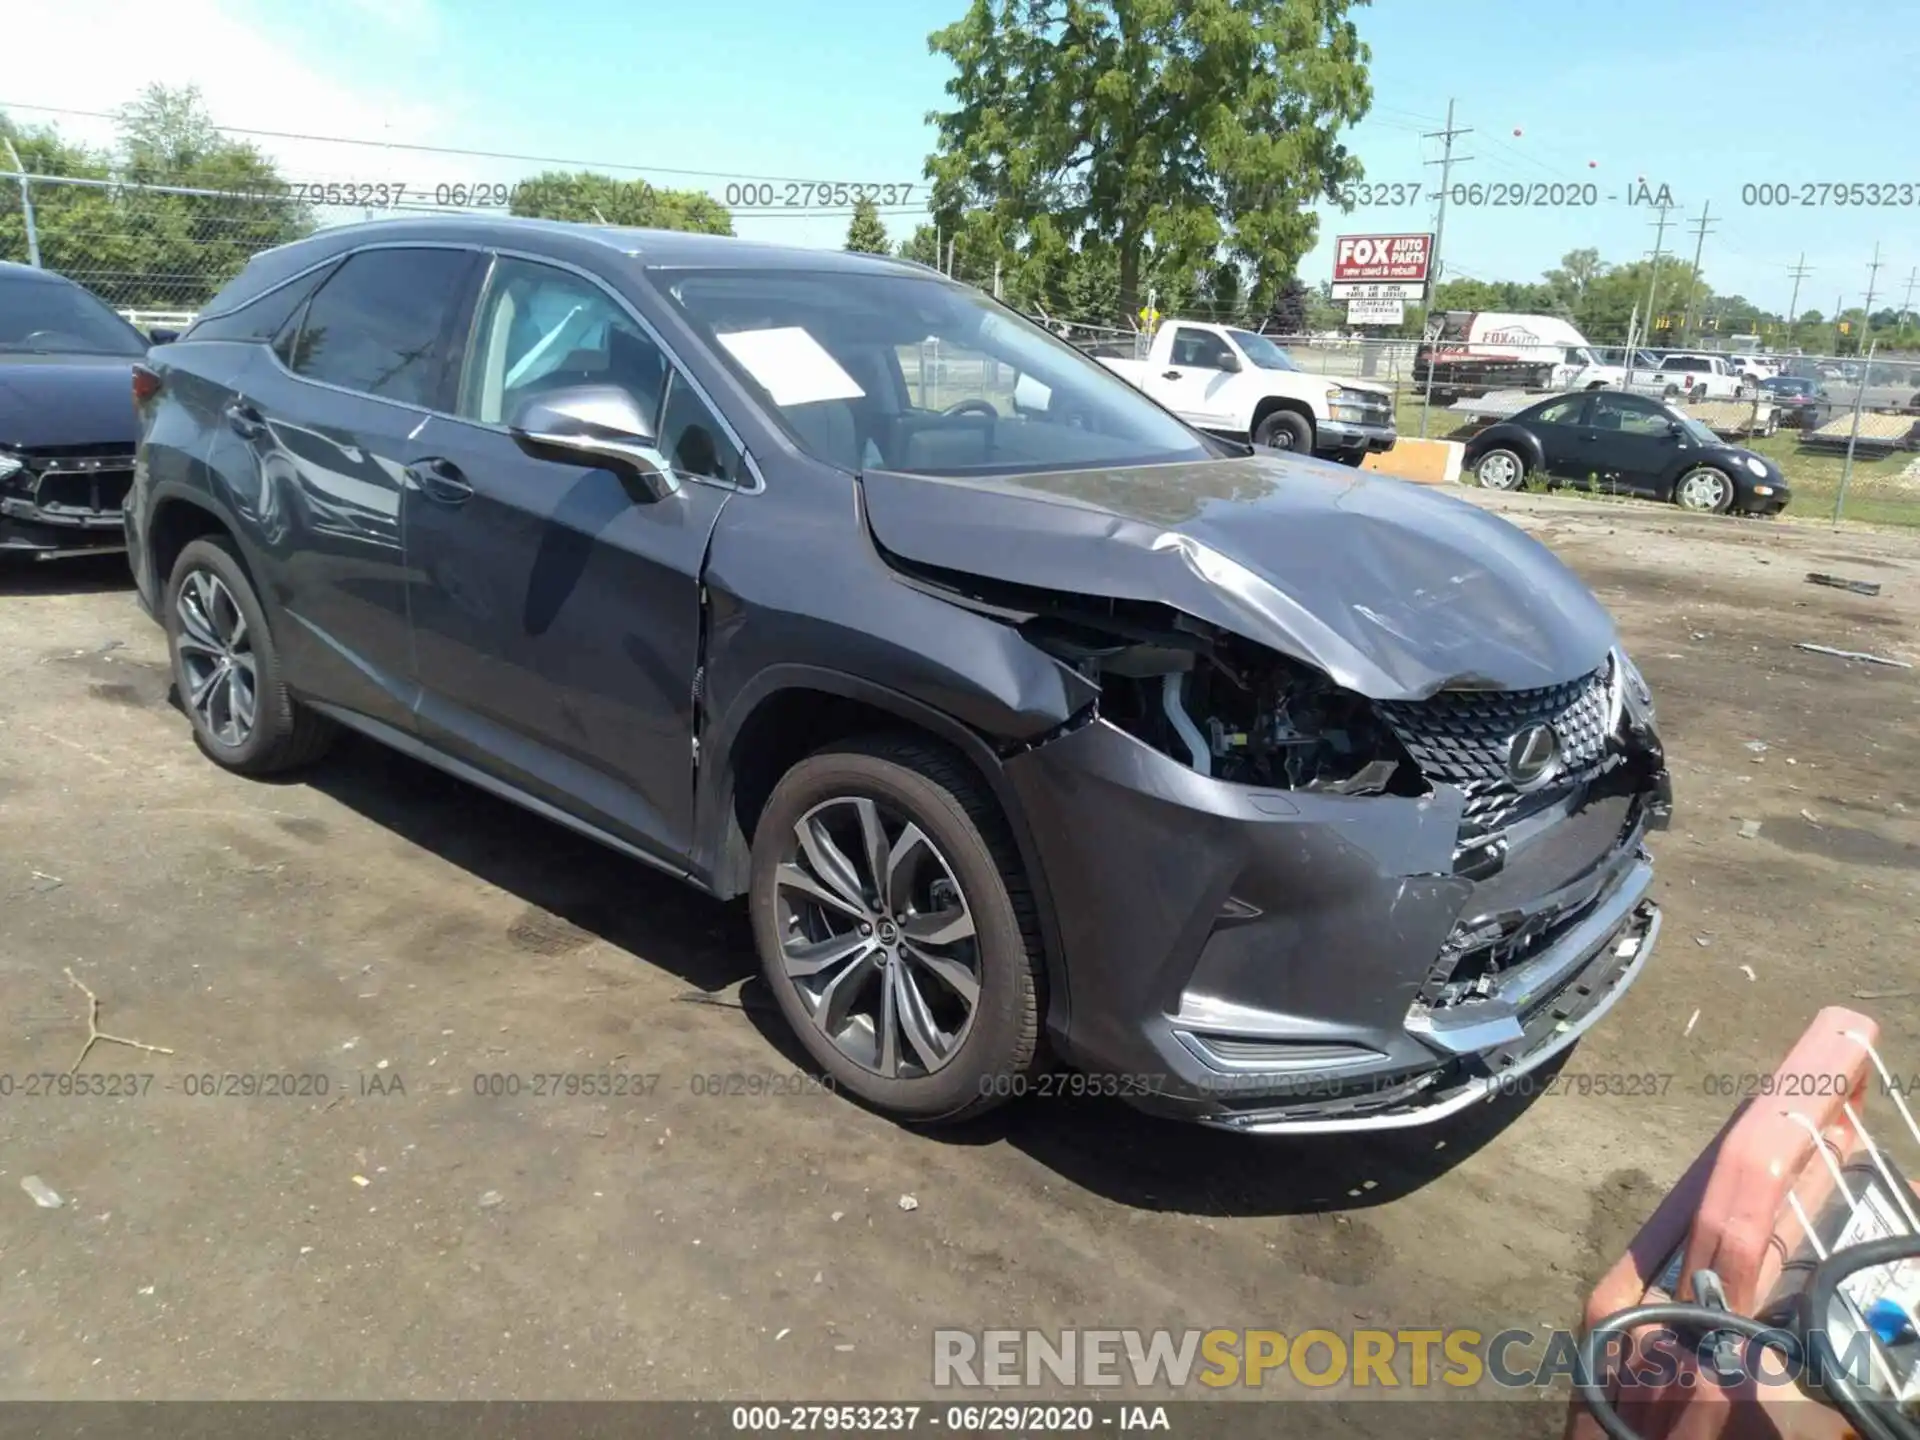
(1358, 259)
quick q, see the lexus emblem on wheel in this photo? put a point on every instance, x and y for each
(1530, 755)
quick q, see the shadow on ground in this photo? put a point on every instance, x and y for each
(1100, 1144)
(80, 575)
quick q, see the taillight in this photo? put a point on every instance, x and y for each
(146, 384)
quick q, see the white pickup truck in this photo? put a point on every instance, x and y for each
(1694, 377)
(1236, 383)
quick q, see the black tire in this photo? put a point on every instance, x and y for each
(925, 782)
(1507, 472)
(1285, 430)
(284, 734)
(1726, 493)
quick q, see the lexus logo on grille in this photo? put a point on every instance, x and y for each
(1531, 755)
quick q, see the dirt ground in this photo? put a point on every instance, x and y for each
(375, 923)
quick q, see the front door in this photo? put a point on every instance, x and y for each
(1632, 443)
(1192, 385)
(556, 607)
(1558, 429)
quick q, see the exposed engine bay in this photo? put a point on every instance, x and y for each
(1229, 708)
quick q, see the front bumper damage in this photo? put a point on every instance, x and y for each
(62, 504)
(1285, 961)
(1334, 437)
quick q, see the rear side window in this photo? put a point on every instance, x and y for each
(383, 324)
(262, 318)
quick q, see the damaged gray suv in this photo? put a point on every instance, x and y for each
(1033, 725)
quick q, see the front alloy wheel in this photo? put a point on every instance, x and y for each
(896, 928)
(216, 659)
(1705, 489)
(877, 938)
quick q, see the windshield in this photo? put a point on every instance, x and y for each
(1580, 355)
(1694, 430)
(44, 316)
(1262, 351)
(866, 369)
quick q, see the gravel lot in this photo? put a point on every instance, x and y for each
(377, 926)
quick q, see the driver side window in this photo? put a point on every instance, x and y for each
(543, 329)
(1198, 350)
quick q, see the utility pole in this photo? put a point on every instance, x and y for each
(1873, 278)
(1693, 281)
(1446, 162)
(1653, 281)
(1800, 272)
(1906, 305)
(26, 207)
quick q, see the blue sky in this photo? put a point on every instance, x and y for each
(1704, 96)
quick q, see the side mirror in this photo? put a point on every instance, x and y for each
(1230, 363)
(160, 336)
(1675, 430)
(594, 425)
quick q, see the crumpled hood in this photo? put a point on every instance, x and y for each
(66, 400)
(1393, 589)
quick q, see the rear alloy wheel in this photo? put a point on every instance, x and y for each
(1500, 470)
(1704, 489)
(1284, 430)
(896, 930)
(227, 670)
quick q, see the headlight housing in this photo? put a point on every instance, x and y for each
(1632, 697)
(1758, 467)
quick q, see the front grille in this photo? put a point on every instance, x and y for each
(80, 486)
(1461, 738)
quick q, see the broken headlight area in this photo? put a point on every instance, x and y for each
(1230, 709)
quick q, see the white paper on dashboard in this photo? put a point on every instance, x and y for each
(792, 366)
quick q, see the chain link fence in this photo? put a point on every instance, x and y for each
(1848, 438)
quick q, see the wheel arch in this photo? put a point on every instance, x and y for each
(786, 713)
(1269, 404)
(178, 517)
(1523, 443)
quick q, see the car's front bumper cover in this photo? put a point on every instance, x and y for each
(1334, 436)
(1263, 960)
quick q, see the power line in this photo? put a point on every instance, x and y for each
(433, 149)
(1446, 163)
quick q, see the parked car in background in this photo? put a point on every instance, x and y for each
(1754, 368)
(1238, 384)
(1627, 444)
(1799, 404)
(67, 423)
(1026, 718)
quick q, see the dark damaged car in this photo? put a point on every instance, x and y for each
(1032, 725)
(67, 425)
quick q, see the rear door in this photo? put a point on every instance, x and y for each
(319, 431)
(556, 607)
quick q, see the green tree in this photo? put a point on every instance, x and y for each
(1288, 313)
(1165, 129)
(590, 198)
(144, 247)
(865, 233)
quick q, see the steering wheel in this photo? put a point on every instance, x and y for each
(973, 406)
